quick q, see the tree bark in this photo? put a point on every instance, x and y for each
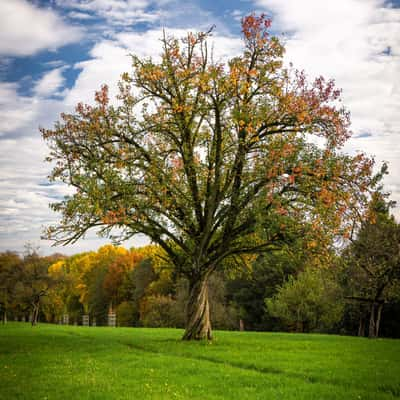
(35, 314)
(198, 324)
(378, 319)
(361, 326)
(372, 324)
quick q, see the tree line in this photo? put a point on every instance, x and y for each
(305, 287)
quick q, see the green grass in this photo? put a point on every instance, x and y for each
(67, 362)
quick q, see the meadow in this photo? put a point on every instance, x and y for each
(72, 362)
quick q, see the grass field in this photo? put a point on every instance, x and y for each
(67, 362)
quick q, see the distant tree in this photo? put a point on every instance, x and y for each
(143, 276)
(248, 289)
(263, 277)
(116, 274)
(224, 313)
(209, 160)
(70, 295)
(35, 282)
(10, 271)
(157, 311)
(373, 264)
(135, 285)
(92, 282)
(59, 294)
(93, 274)
(310, 301)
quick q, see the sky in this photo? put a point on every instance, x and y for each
(56, 53)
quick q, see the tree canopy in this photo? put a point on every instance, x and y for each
(309, 301)
(210, 160)
(372, 263)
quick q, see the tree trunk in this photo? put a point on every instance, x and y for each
(372, 329)
(299, 326)
(241, 325)
(198, 324)
(35, 314)
(378, 319)
(361, 326)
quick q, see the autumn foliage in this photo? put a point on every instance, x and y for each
(210, 160)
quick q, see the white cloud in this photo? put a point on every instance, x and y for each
(237, 15)
(24, 193)
(50, 83)
(345, 40)
(80, 15)
(20, 115)
(110, 58)
(27, 29)
(128, 13)
(148, 44)
(116, 12)
(25, 196)
(54, 63)
(23, 202)
(356, 42)
(15, 111)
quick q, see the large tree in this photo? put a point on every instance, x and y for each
(210, 160)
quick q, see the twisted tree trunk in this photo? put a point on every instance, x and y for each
(198, 324)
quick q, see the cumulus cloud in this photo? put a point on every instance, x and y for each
(27, 29)
(356, 42)
(50, 83)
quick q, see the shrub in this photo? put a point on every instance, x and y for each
(126, 314)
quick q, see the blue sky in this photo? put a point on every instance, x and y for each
(55, 53)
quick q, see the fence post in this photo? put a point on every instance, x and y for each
(112, 317)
